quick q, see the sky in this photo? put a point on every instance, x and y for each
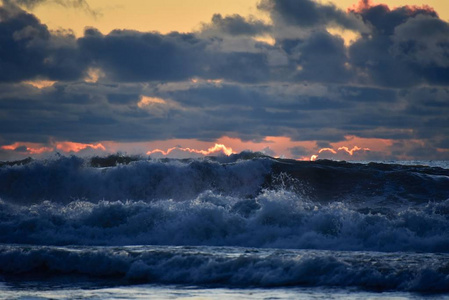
(301, 79)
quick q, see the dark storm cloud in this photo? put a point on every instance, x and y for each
(423, 43)
(384, 20)
(309, 13)
(75, 112)
(407, 46)
(321, 57)
(134, 56)
(130, 56)
(236, 25)
(28, 50)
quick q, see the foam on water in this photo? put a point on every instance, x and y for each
(279, 218)
(225, 221)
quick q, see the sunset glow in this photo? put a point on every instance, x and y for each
(217, 148)
(76, 147)
(351, 151)
(41, 84)
(29, 148)
(147, 101)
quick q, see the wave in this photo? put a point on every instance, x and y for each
(238, 267)
(244, 175)
(273, 219)
(246, 200)
(71, 178)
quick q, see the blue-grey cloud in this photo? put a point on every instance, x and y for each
(28, 50)
(309, 13)
(134, 56)
(321, 57)
(406, 47)
(236, 25)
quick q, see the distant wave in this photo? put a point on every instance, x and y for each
(243, 175)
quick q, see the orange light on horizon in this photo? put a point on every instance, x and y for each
(31, 148)
(354, 149)
(345, 149)
(215, 149)
(328, 150)
(77, 147)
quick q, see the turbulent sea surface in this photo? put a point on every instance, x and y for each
(246, 226)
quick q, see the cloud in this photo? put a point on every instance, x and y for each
(134, 56)
(130, 56)
(321, 57)
(406, 46)
(130, 86)
(309, 13)
(384, 20)
(30, 51)
(236, 25)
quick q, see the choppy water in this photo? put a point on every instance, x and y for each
(246, 225)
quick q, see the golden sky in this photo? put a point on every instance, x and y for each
(171, 15)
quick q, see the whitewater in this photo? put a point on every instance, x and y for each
(245, 225)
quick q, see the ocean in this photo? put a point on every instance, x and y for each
(246, 226)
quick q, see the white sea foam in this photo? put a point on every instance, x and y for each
(275, 218)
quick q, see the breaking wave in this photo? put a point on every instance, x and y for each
(245, 200)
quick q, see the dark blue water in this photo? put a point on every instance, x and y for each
(86, 227)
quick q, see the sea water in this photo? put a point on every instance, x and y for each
(246, 226)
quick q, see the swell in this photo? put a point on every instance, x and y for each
(229, 267)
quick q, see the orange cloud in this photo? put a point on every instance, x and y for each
(146, 101)
(345, 149)
(31, 148)
(361, 6)
(354, 149)
(327, 149)
(76, 147)
(274, 146)
(93, 75)
(41, 84)
(215, 149)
